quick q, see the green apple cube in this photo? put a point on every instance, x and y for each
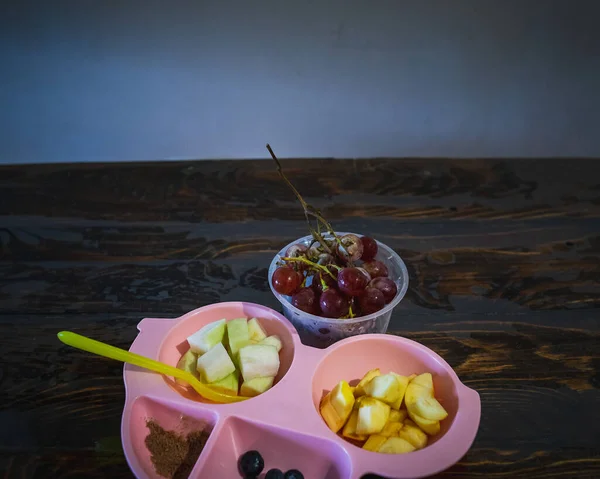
(257, 333)
(256, 386)
(273, 341)
(228, 385)
(207, 337)
(215, 364)
(187, 362)
(238, 334)
(258, 361)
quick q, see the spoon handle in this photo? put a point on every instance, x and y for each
(106, 350)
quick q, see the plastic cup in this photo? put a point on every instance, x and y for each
(320, 332)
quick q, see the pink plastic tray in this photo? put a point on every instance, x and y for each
(284, 423)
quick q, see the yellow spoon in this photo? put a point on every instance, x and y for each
(108, 351)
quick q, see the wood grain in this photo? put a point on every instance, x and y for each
(504, 263)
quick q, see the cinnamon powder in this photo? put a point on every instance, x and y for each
(174, 455)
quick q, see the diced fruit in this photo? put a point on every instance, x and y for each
(258, 361)
(215, 364)
(414, 435)
(424, 380)
(228, 385)
(207, 337)
(360, 387)
(337, 405)
(350, 427)
(330, 415)
(403, 383)
(187, 362)
(430, 408)
(342, 399)
(386, 388)
(256, 386)
(374, 442)
(273, 341)
(391, 429)
(413, 393)
(397, 416)
(396, 445)
(256, 331)
(430, 427)
(372, 416)
(238, 334)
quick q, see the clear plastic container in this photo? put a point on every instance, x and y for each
(321, 332)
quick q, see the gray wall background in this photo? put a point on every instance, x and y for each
(111, 80)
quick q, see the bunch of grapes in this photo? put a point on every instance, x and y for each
(335, 278)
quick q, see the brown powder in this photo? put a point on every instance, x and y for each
(174, 455)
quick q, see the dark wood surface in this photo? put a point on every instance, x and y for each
(504, 262)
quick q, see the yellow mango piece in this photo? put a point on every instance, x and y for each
(412, 395)
(374, 442)
(349, 430)
(430, 427)
(372, 416)
(414, 435)
(396, 445)
(412, 376)
(424, 380)
(403, 384)
(429, 408)
(330, 415)
(385, 387)
(359, 390)
(342, 399)
(391, 429)
(397, 416)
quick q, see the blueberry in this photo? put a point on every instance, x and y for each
(275, 474)
(251, 463)
(293, 474)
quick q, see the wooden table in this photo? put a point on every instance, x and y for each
(504, 262)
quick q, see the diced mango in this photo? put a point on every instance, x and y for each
(359, 390)
(349, 430)
(372, 416)
(374, 442)
(396, 445)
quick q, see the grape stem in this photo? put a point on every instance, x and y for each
(309, 210)
(304, 260)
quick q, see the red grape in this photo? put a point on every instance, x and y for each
(296, 250)
(353, 247)
(376, 269)
(352, 281)
(386, 286)
(307, 300)
(371, 301)
(369, 248)
(286, 280)
(327, 279)
(366, 273)
(334, 304)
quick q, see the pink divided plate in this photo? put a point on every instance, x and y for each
(284, 423)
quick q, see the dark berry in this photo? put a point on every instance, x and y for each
(275, 474)
(369, 248)
(293, 474)
(251, 463)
